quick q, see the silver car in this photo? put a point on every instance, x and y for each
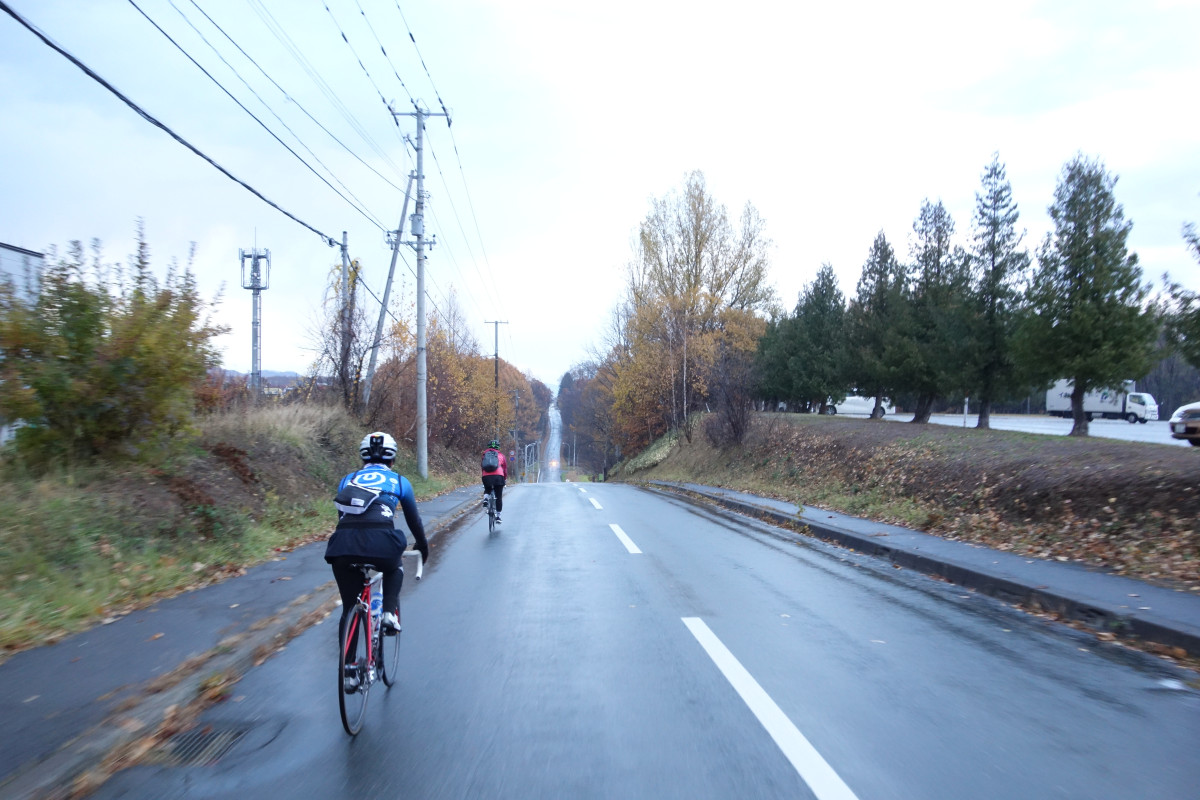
(1185, 423)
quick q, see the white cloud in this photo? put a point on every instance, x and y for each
(834, 120)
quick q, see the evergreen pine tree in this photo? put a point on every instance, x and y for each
(929, 344)
(819, 361)
(872, 320)
(999, 265)
(1086, 318)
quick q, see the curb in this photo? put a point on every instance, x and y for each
(1100, 616)
(169, 704)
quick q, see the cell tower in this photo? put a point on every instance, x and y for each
(257, 281)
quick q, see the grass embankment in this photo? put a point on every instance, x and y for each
(1129, 507)
(78, 547)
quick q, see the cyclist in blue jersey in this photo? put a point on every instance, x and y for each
(366, 532)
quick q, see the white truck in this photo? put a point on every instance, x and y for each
(1124, 404)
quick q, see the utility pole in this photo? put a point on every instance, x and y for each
(344, 345)
(497, 324)
(516, 425)
(387, 290)
(257, 282)
(418, 232)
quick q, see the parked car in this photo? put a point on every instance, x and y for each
(862, 406)
(1185, 423)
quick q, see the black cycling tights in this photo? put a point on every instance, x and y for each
(495, 483)
(350, 580)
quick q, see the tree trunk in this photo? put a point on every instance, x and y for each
(1080, 428)
(985, 415)
(923, 410)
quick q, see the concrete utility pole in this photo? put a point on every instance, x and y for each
(344, 345)
(516, 455)
(516, 425)
(257, 281)
(535, 458)
(497, 324)
(418, 232)
(387, 290)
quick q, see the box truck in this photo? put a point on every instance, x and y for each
(1123, 404)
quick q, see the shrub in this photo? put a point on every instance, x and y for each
(102, 363)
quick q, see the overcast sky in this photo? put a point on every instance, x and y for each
(834, 119)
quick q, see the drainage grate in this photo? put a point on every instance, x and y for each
(199, 747)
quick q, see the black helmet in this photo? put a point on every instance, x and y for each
(493, 445)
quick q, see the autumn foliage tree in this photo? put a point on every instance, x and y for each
(692, 266)
(103, 361)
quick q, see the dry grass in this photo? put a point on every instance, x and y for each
(1129, 507)
(79, 547)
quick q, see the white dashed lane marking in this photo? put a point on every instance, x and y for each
(625, 540)
(813, 769)
(597, 505)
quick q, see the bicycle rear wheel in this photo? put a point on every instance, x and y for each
(491, 513)
(354, 680)
(389, 655)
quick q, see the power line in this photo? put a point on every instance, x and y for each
(358, 58)
(360, 204)
(420, 57)
(385, 54)
(484, 277)
(454, 208)
(457, 155)
(147, 116)
(291, 99)
(332, 96)
(255, 118)
(471, 298)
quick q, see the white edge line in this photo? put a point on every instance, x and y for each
(625, 540)
(596, 504)
(813, 769)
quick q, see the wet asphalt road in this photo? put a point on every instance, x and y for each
(550, 660)
(551, 471)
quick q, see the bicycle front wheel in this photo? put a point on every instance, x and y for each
(354, 680)
(389, 655)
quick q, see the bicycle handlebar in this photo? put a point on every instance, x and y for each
(420, 562)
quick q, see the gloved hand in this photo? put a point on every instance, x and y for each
(423, 549)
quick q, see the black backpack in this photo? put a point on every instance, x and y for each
(490, 461)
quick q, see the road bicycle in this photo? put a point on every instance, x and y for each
(489, 504)
(366, 652)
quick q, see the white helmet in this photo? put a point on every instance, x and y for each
(377, 446)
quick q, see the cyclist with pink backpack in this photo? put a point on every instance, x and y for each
(495, 472)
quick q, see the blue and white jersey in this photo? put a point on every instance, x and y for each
(374, 532)
(391, 489)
